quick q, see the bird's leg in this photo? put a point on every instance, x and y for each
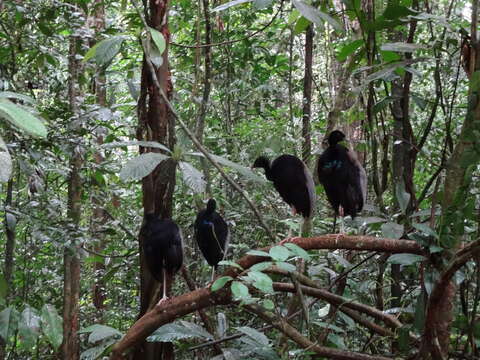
(342, 224)
(164, 297)
(294, 211)
(213, 273)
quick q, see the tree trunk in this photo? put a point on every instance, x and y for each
(70, 348)
(156, 124)
(307, 96)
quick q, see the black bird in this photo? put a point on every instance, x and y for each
(212, 235)
(293, 181)
(343, 177)
(163, 249)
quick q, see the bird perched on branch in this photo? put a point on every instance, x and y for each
(163, 249)
(343, 177)
(293, 181)
(212, 235)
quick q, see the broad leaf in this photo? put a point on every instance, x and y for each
(95, 352)
(262, 4)
(297, 250)
(239, 291)
(152, 144)
(279, 253)
(392, 230)
(220, 282)
(158, 39)
(192, 177)
(52, 325)
(22, 119)
(401, 47)
(13, 95)
(230, 263)
(316, 16)
(425, 229)
(349, 48)
(258, 253)
(254, 334)
(5, 162)
(29, 326)
(178, 331)
(141, 166)
(229, 4)
(405, 259)
(261, 281)
(8, 322)
(100, 332)
(105, 50)
(402, 196)
(261, 266)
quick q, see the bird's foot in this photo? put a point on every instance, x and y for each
(163, 300)
(287, 240)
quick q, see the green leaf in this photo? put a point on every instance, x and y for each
(152, 144)
(268, 304)
(13, 95)
(240, 168)
(52, 325)
(349, 48)
(405, 259)
(220, 282)
(105, 50)
(158, 39)
(261, 4)
(8, 322)
(392, 230)
(382, 104)
(297, 250)
(95, 352)
(370, 220)
(230, 4)
(301, 25)
(316, 16)
(5, 162)
(401, 47)
(258, 253)
(178, 331)
(230, 263)
(261, 281)
(100, 332)
(393, 12)
(22, 119)
(402, 196)
(141, 166)
(261, 266)
(254, 334)
(239, 291)
(286, 266)
(424, 228)
(192, 177)
(279, 253)
(29, 327)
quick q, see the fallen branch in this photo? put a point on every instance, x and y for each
(205, 298)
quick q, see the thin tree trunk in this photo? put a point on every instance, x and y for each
(156, 124)
(99, 214)
(70, 348)
(307, 96)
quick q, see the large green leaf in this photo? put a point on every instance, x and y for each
(220, 282)
(95, 352)
(29, 326)
(297, 250)
(349, 48)
(392, 230)
(13, 95)
(5, 162)
(178, 331)
(22, 119)
(261, 281)
(279, 253)
(8, 322)
(402, 196)
(405, 259)
(192, 177)
(230, 4)
(316, 16)
(240, 168)
(105, 50)
(100, 332)
(152, 144)
(52, 325)
(254, 334)
(401, 47)
(141, 166)
(239, 291)
(158, 39)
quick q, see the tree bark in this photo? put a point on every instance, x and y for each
(156, 124)
(70, 348)
(307, 96)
